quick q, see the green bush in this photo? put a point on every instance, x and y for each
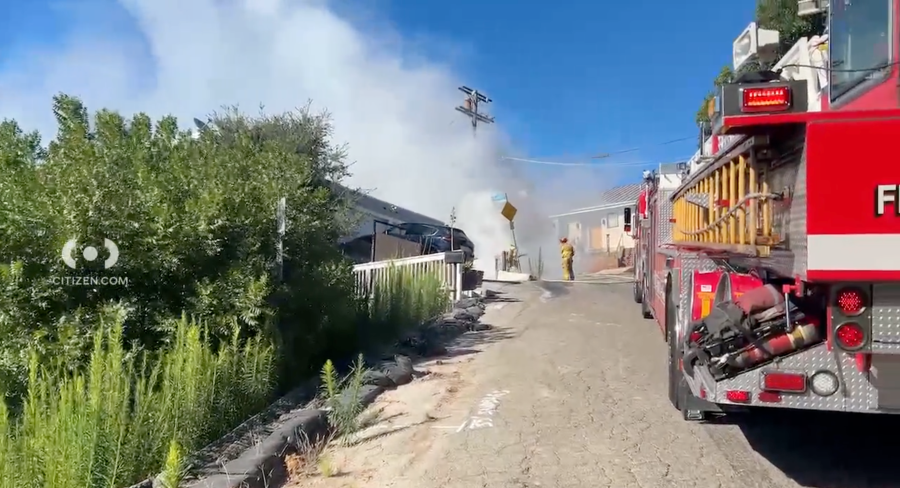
(120, 420)
(194, 220)
(105, 385)
(400, 300)
(130, 415)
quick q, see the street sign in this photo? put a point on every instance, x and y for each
(499, 197)
(509, 211)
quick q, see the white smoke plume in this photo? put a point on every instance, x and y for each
(390, 104)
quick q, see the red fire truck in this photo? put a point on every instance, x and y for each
(771, 260)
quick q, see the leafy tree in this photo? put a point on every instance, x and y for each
(194, 221)
(780, 15)
(726, 75)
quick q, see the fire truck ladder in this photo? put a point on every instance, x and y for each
(727, 205)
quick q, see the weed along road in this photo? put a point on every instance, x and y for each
(568, 390)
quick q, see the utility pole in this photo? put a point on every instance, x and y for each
(470, 107)
(452, 225)
(281, 228)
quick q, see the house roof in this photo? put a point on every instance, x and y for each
(614, 197)
(620, 195)
(382, 207)
(386, 209)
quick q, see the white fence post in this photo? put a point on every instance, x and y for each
(458, 268)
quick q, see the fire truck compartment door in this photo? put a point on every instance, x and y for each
(853, 196)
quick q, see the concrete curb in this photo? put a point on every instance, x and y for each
(262, 465)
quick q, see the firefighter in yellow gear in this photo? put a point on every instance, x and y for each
(567, 252)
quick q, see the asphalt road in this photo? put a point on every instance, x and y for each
(574, 389)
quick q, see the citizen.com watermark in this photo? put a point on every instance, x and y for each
(90, 280)
(90, 254)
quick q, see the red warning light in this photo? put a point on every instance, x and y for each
(765, 99)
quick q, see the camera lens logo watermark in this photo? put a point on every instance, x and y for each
(90, 254)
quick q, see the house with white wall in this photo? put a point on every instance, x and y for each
(598, 232)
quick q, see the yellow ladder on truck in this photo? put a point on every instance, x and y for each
(727, 205)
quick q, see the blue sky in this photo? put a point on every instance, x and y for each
(568, 79)
(580, 78)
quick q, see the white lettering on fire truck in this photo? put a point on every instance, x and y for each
(885, 194)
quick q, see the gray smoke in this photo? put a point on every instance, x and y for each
(391, 104)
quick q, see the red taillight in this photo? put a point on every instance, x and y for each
(769, 397)
(695, 337)
(737, 396)
(787, 382)
(851, 301)
(850, 336)
(765, 99)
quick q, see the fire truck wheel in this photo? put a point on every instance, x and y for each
(675, 377)
(679, 392)
(645, 310)
(637, 289)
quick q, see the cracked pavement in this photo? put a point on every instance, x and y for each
(587, 407)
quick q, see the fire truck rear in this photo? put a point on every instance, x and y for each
(771, 260)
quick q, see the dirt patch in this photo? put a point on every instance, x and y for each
(401, 426)
(408, 430)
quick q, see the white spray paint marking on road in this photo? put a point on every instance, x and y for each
(483, 417)
(607, 324)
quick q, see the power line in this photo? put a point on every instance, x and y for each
(595, 165)
(470, 107)
(624, 151)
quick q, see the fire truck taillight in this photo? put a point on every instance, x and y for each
(851, 301)
(850, 336)
(784, 382)
(765, 99)
(737, 396)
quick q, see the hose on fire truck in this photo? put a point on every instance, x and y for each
(739, 334)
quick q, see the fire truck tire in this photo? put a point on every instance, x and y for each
(691, 408)
(675, 377)
(645, 310)
(638, 289)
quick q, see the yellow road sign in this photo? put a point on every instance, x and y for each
(509, 211)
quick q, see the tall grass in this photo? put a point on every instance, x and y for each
(127, 416)
(402, 299)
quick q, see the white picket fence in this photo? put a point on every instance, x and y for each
(368, 275)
